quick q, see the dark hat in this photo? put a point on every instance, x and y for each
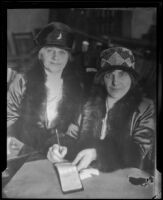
(57, 34)
(116, 58)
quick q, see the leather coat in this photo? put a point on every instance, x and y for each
(26, 107)
(130, 137)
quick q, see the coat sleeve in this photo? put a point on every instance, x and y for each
(14, 99)
(130, 151)
(143, 128)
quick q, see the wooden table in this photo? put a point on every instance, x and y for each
(38, 179)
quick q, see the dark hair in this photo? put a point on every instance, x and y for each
(134, 79)
(99, 89)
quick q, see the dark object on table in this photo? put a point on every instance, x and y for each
(141, 181)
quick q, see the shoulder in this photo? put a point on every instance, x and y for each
(20, 78)
(19, 82)
(11, 73)
(146, 104)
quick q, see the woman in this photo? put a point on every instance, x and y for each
(117, 128)
(47, 97)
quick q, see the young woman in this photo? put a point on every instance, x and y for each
(47, 97)
(118, 124)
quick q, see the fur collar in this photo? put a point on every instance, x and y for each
(33, 104)
(118, 117)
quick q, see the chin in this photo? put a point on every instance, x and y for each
(117, 96)
(52, 69)
(56, 71)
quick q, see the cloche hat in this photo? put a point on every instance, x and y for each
(116, 58)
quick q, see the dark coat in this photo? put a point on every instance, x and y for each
(27, 104)
(130, 130)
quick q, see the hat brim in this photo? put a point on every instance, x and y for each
(108, 68)
(38, 47)
(56, 45)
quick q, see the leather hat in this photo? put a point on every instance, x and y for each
(55, 34)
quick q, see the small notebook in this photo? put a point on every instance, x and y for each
(68, 177)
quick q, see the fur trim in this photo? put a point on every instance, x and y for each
(94, 111)
(116, 150)
(33, 106)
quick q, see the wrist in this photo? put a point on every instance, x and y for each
(94, 154)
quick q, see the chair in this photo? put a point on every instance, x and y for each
(23, 42)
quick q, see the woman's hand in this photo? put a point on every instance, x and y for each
(84, 158)
(73, 131)
(56, 153)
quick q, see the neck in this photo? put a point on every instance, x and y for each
(56, 75)
(110, 101)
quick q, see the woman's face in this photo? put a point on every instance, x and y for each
(54, 58)
(118, 83)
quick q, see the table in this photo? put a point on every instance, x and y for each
(38, 179)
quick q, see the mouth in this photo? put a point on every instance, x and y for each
(115, 88)
(54, 63)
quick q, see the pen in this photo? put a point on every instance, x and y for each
(58, 140)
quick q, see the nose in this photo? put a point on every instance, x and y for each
(54, 55)
(115, 80)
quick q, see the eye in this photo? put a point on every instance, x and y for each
(122, 73)
(62, 52)
(49, 50)
(108, 75)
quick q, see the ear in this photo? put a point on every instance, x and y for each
(70, 57)
(102, 82)
(40, 54)
(99, 80)
(134, 81)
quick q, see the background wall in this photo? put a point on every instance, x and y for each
(25, 20)
(142, 19)
(134, 22)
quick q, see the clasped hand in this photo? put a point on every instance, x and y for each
(57, 153)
